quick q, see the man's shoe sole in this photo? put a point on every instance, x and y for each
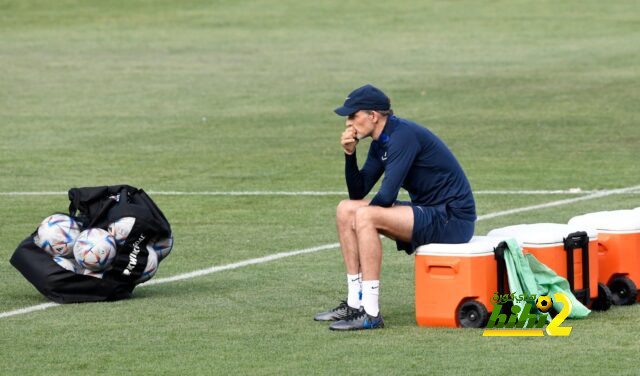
(379, 326)
(330, 319)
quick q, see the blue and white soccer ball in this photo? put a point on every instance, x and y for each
(121, 228)
(57, 234)
(149, 270)
(68, 264)
(95, 249)
(162, 247)
(93, 274)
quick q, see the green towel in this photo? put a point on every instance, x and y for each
(527, 274)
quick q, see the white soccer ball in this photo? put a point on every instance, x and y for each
(95, 249)
(93, 274)
(149, 270)
(162, 247)
(121, 228)
(57, 234)
(68, 264)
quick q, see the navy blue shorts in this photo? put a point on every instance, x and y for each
(435, 224)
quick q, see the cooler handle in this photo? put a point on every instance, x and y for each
(443, 265)
(576, 240)
(502, 266)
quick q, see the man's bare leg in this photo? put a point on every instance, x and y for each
(396, 222)
(345, 217)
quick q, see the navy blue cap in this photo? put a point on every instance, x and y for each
(367, 97)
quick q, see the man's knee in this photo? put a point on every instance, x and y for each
(346, 210)
(365, 217)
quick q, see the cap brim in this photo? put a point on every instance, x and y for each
(345, 111)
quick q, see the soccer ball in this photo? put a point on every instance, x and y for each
(93, 274)
(544, 303)
(67, 264)
(149, 270)
(121, 228)
(57, 234)
(95, 249)
(162, 247)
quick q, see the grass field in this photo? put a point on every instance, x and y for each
(220, 96)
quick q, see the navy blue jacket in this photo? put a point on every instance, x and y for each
(411, 157)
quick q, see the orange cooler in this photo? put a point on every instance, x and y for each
(618, 250)
(563, 248)
(455, 282)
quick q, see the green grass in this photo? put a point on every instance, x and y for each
(238, 96)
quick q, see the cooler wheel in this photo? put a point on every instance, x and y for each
(623, 291)
(604, 299)
(472, 314)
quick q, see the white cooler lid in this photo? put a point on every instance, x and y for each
(541, 234)
(614, 220)
(477, 246)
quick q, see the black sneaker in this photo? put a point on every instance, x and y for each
(340, 312)
(358, 321)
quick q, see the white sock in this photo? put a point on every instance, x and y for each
(370, 292)
(354, 294)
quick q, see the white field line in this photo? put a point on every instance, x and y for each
(240, 264)
(560, 202)
(34, 308)
(572, 191)
(261, 260)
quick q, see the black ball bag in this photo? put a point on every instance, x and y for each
(97, 207)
